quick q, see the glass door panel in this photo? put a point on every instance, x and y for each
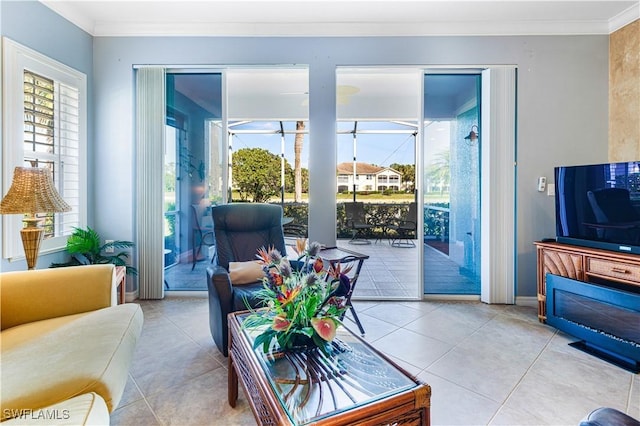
(193, 175)
(171, 188)
(452, 184)
(268, 128)
(377, 134)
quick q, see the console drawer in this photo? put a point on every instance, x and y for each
(619, 271)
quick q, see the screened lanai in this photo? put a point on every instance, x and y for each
(378, 134)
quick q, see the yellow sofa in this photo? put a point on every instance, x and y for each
(65, 345)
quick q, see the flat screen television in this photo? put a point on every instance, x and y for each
(598, 205)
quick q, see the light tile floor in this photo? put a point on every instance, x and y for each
(486, 364)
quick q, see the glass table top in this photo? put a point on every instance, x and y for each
(312, 386)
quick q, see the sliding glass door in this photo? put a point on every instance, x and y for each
(378, 135)
(192, 174)
(451, 187)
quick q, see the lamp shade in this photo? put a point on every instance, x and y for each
(32, 191)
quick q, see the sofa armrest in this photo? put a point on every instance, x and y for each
(27, 296)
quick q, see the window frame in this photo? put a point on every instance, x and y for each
(15, 59)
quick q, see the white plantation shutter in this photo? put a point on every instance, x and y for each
(44, 126)
(69, 156)
(52, 141)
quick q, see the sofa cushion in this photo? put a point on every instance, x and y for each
(49, 361)
(86, 409)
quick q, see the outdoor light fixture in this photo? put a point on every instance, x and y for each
(472, 137)
(32, 191)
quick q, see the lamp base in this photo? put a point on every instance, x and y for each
(31, 238)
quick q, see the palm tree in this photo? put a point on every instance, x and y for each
(438, 171)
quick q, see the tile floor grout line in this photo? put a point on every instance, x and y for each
(628, 405)
(526, 372)
(426, 369)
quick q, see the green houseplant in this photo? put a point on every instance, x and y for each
(85, 248)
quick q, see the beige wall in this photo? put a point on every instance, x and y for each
(624, 93)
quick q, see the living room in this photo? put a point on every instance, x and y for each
(565, 102)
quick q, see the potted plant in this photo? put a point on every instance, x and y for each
(304, 307)
(85, 248)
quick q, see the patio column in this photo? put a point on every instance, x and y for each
(322, 153)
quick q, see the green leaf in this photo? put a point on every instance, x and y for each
(263, 339)
(84, 242)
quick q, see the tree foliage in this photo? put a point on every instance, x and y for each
(408, 172)
(256, 174)
(438, 172)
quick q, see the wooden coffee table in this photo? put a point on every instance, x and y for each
(355, 385)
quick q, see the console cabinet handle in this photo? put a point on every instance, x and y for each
(619, 270)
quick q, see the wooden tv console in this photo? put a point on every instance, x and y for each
(582, 264)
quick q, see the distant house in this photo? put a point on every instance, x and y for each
(368, 178)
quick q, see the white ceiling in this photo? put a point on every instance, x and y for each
(345, 17)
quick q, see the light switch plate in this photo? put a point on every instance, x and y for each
(551, 190)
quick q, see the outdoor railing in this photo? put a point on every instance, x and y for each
(380, 215)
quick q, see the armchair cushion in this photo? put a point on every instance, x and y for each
(245, 272)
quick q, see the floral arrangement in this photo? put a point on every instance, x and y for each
(303, 305)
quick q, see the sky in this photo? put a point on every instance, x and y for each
(379, 149)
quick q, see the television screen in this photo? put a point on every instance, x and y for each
(598, 205)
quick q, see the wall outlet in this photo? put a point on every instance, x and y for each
(109, 249)
(542, 183)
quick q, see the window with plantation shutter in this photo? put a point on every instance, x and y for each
(51, 140)
(49, 133)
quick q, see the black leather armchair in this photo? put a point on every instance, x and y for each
(240, 230)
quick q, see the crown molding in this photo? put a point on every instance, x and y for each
(624, 18)
(342, 29)
(354, 29)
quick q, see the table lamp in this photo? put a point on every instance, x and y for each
(32, 191)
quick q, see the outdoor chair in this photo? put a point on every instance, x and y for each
(295, 230)
(202, 231)
(356, 221)
(240, 230)
(406, 228)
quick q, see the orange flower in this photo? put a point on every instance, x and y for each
(338, 269)
(263, 255)
(325, 327)
(289, 295)
(318, 265)
(276, 278)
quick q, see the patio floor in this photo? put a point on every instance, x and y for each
(388, 274)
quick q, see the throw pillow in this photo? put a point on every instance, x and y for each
(245, 272)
